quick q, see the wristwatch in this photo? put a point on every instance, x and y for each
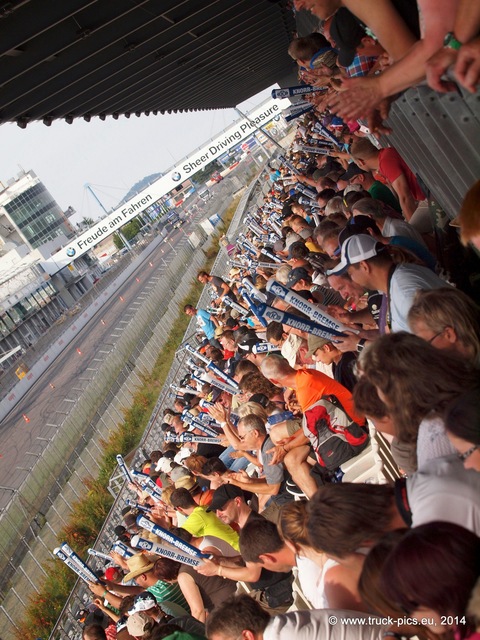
(360, 345)
(451, 42)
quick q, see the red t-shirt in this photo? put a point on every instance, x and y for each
(391, 165)
(312, 385)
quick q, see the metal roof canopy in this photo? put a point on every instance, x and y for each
(84, 58)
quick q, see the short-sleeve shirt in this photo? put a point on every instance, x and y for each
(312, 385)
(217, 284)
(213, 589)
(374, 303)
(205, 523)
(405, 281)
(343, 370)
(205, 323)
(432, 440)
(381, 192)
(394, 227)
(209, 450)
(275, 473)
(360, 66)
(165, 591)
(416, 248)
(443, 490)
(391, 165)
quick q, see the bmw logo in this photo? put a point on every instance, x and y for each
(176, 176)
(71, 252)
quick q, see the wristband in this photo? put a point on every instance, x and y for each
(451, 42)
(104, 593)
(219, 572)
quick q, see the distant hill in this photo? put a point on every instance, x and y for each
(139, 186)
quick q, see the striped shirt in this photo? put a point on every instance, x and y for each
(170, 592)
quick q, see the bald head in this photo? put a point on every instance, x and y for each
(276, 369)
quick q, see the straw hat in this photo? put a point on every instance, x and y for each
(138, 564)
(187, 482)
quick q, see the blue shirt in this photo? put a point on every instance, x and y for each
(416, 248)
(205, 323)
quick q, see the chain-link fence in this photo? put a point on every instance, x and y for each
(67, 626)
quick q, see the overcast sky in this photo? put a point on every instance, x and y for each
(111, 155)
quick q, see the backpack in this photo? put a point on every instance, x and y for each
(334, 436)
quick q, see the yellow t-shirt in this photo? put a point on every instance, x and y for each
(205, 523)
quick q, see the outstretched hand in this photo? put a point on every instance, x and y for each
(218, 412)
(467, 68)
(437, 66)
(356, 98)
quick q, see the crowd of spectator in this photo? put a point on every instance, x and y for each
(336, 333)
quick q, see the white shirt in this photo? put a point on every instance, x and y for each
(310, 578)
(225, 549)
(442, 489)
(317, 625)
(432, 441)
(394, 227)
(290, 348)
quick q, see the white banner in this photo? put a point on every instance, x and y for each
(185, 169)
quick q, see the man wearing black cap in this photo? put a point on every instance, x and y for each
(350, 173)
(229, 504)
(299, 280)
(231, 508)
(246, 345)
(357, 52)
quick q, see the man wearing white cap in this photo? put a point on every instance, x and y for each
(370, 265)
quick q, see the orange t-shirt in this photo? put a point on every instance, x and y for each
(312, 385)
(204, 498)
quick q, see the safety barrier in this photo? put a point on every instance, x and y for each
(152, 439)
(437, 135)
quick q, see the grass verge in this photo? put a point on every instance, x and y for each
(89, 513)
